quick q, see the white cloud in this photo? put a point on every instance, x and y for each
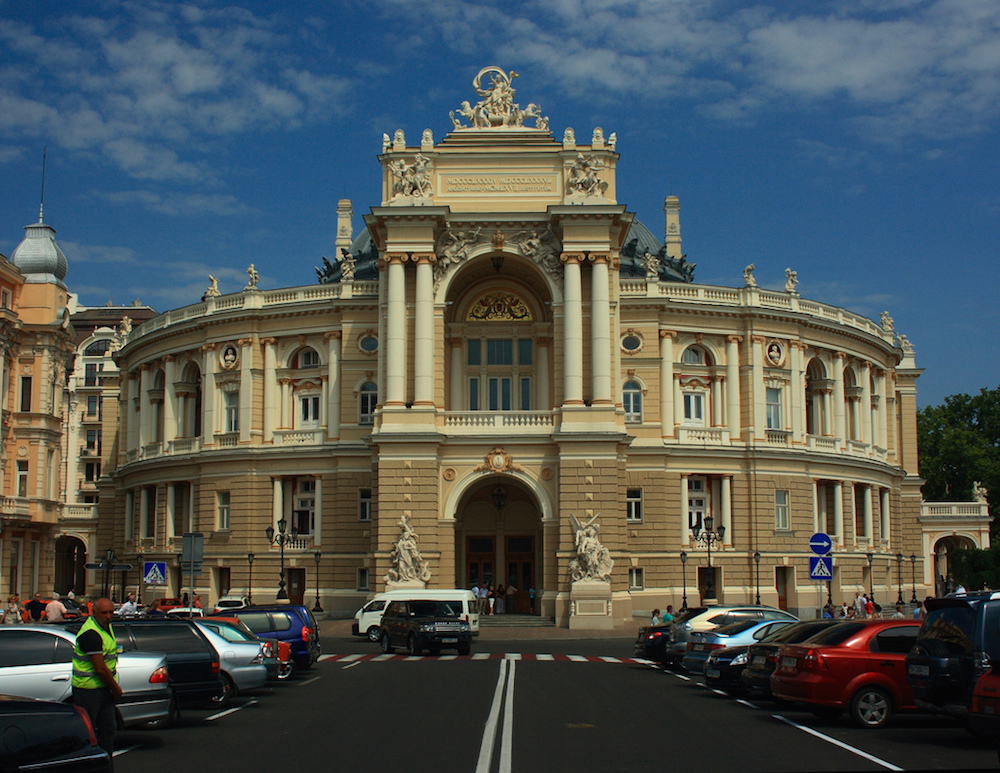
(179, 203)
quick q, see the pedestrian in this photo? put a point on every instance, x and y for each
(859, 605)
(36, 607)
(197, 602)
(509, 604)
(869, 608)
(501, 598)
(656, 617)
(55, 610)
(95, 673)
(71, 595)
(531, 601)
(154, 609)
(491, 598)
(899, 611)
(668, 616)
(129, 608)
(184, 601)
(12, 614)
(843, 610)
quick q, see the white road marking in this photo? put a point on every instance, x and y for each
(513, 655)
(481, 656)
(545, 657)
(307, 681)
(748, 704)
(577, 658)
(835, 742)
(490, 731)
(351, 665)
(608, 659)
(383, 656)
(507, 733)
(233, 710)
(127, 749)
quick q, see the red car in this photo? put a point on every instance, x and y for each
(984, 715)
(858, 665)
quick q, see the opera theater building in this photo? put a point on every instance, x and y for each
(504, 377)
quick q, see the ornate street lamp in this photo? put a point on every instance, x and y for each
(499, 497)
(899, 576)
(871, 578)
(250, 558)
(709, 537)
(684, 584)
(913, 569)
(756, 559)
(280, 539)
(317, 555)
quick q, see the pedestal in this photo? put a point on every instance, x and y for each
(590, 606)
(405, 584)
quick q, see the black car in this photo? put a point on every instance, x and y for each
(762, 656)
(651, 643)
(959, 636)
(192, 662)
(44, 735)
(424, 624)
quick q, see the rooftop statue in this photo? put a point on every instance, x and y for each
(411, 180)
(791, 280)
(583, 180)
(497, 108)
(748, 280)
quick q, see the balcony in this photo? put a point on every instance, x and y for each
(706, 436)
(79, 513)
(300, 437)
(521, 423)
(779, 437)
(88, 486)
(90, 452)
(227, 439)
(185, 445)
(822, 443)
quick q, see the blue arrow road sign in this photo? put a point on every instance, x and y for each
(820, 568)
(820, 543)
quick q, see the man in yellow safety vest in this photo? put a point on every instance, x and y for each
(95, 677)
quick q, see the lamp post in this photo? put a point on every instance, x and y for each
(250, 558)
(138, 583)
(913, 569)
(317, 555)
(708, 537)
(280, 539)
(756, 560)
(684, 584)
(899, 576)
(871, 577)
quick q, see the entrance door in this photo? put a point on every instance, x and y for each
(781, 585)
(520, 574)
(296, 585)
(480, 559)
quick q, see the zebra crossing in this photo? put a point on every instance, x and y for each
(527, 657)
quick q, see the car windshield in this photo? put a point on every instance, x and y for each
(689, 613)
(431, 609)
(229, 633)
(951, 625)
(734, 628)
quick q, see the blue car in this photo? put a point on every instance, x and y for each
(293, 623)
(746, 632)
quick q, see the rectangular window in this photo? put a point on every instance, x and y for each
(93, 441)
(91, 471)
(93, 406)
(499, 351)
(696, 503)
(774, 409)
(635, 581)
(232, 417)
(310, 410)
(5, 299)
(365, 504)
(222, 511)
(781, 521)
(150, 532)
(363, 579)
(473, 394)
(25, 393)
(633, 505)
(474, 355)
(22, 478)
(499, 394)
(525, 394)
(524, 351)
(305, 505)
(694, 408)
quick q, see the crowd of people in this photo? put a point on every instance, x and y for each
(35, 610)
(499, 600)
(864, 608)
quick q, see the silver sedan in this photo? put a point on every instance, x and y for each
(241, 663)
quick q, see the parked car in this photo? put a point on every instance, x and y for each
(36, 661)
(50, 736)
(958, 638)
(192, 663)
(720, 655)
(277, 654)
(240, 660)
(166, 605)
(652, 643)
(707, 618)
(230, 602)
(185, 612)
(984, 714)
(421, 625)
(762, 656)
(292, 623)
(368, 619)
(857, 665)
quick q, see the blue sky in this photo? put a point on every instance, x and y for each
(855, 142)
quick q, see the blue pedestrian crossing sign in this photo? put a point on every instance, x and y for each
(820, 543)
(820, 568)
(154, 573)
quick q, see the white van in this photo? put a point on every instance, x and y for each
(368, 619)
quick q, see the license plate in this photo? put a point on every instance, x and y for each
(789, 663)
(452, 640)
(918, 670)
(759, 660)
(712, 673)
(699, 648)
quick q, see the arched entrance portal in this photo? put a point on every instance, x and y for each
(498, 541)
(943, 581)
(71, 555)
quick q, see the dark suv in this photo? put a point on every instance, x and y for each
(293, 623)
(424, 624)
(959, 636)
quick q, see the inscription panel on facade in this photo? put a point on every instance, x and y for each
(518, 184)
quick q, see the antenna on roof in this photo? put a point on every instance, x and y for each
(41, 201)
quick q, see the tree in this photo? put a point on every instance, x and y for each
(976, 569)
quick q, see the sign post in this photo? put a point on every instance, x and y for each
(821, 565)
(192, 553)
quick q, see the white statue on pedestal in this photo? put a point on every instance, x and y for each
(407, 563)
(593, 561)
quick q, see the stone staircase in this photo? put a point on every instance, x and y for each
(515, 621)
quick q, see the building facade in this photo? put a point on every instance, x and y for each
(501, 352)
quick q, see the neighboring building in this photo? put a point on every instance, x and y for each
(505, 347)
(35, 353)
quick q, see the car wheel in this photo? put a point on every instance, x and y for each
(228, 693)
(286, 670)
(871, 707)
(825, 712)
(386, 644)
(411, 645)
(373, 633)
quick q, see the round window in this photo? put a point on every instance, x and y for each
(368, 344)
(631, 343)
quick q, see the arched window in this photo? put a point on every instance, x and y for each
(693, 355)
(632, 401)
(367, 400)
(97, 348)
(305, 358)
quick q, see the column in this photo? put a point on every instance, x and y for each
(600, 329)
(145, 406)
(727, 508)
(423, 357)
(838, 513)
(733, 385)
(318, 520)
(286, 411)
(395, 350)
(209, 397)
(717, 412)
(839, 419)
(816, 522)
(685, 531)
(883, 411)
(270, 386)
(143, 512)
(334, 344)
(866, 402)
(131, 414)
(543, 400)
(246, 389)
(171, 505)
(798, 395)
(866, 494)
(572, 330)
(758, 410)
(667, 383)
(277, 503)
(884, 520)
(169, 400)
(456, 380)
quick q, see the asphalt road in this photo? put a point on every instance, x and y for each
(554, 705)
